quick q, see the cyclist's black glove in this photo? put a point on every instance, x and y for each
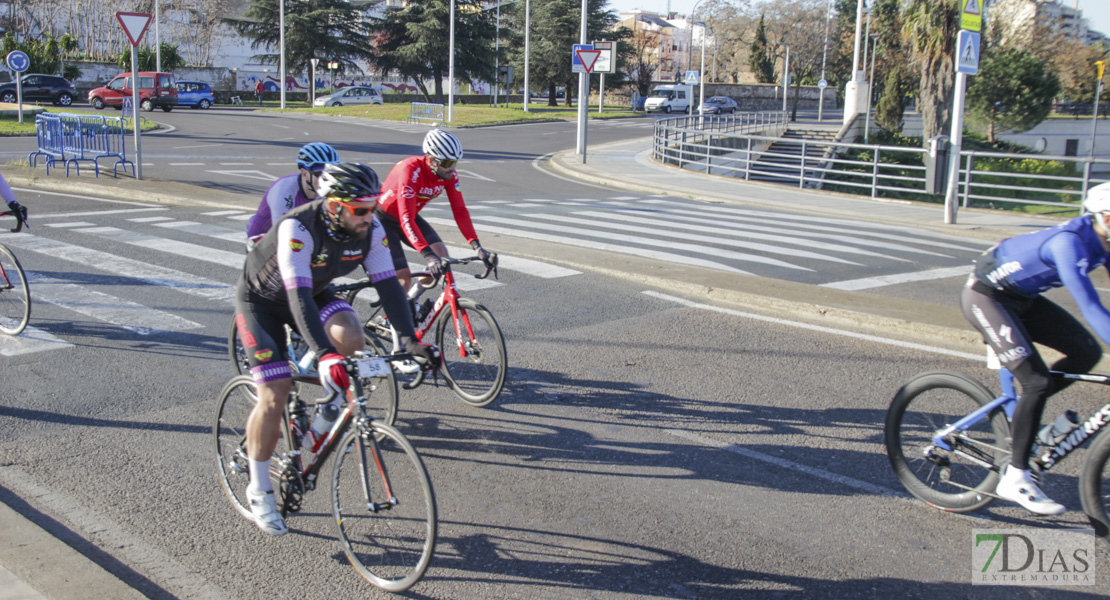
(426, 354)
(481, 252)
(436, 266)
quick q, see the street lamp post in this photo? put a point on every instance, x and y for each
(852, 89)
(701, 74)
(785, 76)
(281, 44)
(870, 88)
(497, 56)
(157, 40)
(312, 82)
(451, 68)
(824, 58)
(690, 50)
(527, 31)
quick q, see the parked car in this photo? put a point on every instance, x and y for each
(37, 87)
(155, 90)
(718, 105)
(351, 95)
(196, 94)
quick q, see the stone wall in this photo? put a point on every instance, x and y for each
(750, 97)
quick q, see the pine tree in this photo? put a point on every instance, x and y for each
(760, 59)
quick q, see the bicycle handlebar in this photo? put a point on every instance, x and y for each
(424, 279)
(18, 211)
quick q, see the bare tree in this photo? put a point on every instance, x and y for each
(643, 60)
(800, 23)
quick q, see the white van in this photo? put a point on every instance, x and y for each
(669, 98)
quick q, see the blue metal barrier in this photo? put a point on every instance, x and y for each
(72, 138)
(425, 111)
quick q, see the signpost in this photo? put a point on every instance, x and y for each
(135, 25)
(18, 61)
(603, 65)
(312, 84)
(967, 63)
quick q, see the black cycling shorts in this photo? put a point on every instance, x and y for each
(260, 324)
(396, 237)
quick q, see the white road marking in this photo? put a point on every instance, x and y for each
(579, 232)
(150, 219)
(73, 224)
(129, 315)
(68, 195)
(255, 174)
(95, 213)
(125, 267)
(534, 268)
(177, 579)
(194, 251)
(621, 249)
(473, 175)
(213, 231)
(884, 280)
(222, 213)
(30, 340)
(190, 164)
(819, 328)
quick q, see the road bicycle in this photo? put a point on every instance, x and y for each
(475, 361)
(381, 387)
(15, 294)
(948, 438)
(382, 499)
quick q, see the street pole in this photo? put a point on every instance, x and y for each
(870, 88)
(281, 43)
(950, 204)
(157, 40)
(583, 91)
(852, 88)
(690, 50)
(136, 115)
(312, 83)
(497, 56)
(527, 32)
(824, 58)
(701, 75)
(451, 69)
(1100, 65)
(785, 76)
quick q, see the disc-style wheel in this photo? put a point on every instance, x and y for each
(474, 366)
(15, 295)
(64, 99)
(1094, 486)
(946, 479)
(205, 104)
(384, 507)
(236, 402)
(8, 97)
(146, 105)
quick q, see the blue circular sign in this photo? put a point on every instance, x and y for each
(18, 61)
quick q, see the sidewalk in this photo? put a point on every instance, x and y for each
(36, 565)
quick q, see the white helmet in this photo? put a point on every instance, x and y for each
(1098, 199)
(442, 145)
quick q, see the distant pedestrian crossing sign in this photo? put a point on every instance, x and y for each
(691, 77)
(971, 15)
(967, 52)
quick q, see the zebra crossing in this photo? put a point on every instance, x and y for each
(836, 253)
(216, 238)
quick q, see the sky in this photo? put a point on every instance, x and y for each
(1097, 12)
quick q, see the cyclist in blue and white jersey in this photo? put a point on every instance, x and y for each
(286, 281)
(1003, 300)
(291, 191)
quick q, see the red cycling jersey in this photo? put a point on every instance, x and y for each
(410, 185)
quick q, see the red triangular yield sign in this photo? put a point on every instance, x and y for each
(134, 25)
(588, 58)
(972, 7)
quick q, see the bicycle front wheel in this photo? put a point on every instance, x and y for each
(1094, 486)
(384, 507)
(949, 480)
(236, 353)
(475, 363)
(15, 295)
(230, 434)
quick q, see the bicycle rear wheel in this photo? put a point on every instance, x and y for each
(237, 400)
(475, 367)
(946, 480)
(1094, 486)
(15, 295)
(384, 507)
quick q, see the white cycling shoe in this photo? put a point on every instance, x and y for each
(1019, 487)
(408, 367)
(265, 513)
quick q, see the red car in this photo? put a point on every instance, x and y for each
(155, 89)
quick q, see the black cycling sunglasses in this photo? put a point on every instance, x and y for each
(446, 163)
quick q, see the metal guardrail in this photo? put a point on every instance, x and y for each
(894, 172)
(73, 138)
(426, 111)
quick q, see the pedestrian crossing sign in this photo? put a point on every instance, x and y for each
(971, 15)
(691, 77)
(967, 52)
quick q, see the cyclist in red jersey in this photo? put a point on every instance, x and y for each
(410, 185)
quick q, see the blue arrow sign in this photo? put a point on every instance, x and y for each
(18, 61)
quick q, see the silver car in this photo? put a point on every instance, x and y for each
(718, 105)
(351, 95)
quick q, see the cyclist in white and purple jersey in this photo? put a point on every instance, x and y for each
(291, 191)
(286, 281)
(1003, 300)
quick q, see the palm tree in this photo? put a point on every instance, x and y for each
(929, 29)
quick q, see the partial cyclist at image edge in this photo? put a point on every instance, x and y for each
(286, 280)
(291, 191)
(409, 187)
(1002, 299)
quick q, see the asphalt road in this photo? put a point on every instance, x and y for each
(648, 444)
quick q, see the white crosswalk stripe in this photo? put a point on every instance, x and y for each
(104, 307)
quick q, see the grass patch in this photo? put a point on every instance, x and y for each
(10, 125)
